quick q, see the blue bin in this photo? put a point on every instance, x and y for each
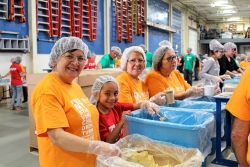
(234, 81)
(189, 128)
(203, 106)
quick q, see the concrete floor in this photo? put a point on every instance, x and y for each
(14, 138)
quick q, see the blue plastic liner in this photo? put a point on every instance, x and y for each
(189, 128)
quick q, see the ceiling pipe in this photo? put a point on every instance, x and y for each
(193, 9)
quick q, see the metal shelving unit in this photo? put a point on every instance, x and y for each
(4, 12)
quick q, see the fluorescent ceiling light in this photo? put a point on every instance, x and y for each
(227, 7)
(229, 11)
(220, 2)
(234, 18)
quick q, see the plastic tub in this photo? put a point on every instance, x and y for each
(196, 126)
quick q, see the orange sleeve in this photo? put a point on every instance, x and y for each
(239, 103)
(23, 70)
(125, 91)
(182, 80)
(155, 84)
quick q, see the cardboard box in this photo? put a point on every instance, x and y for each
(86, 79)
(32, 80)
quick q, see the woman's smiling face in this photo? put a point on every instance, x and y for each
(70, 65)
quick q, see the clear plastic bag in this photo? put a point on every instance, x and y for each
(164, 153)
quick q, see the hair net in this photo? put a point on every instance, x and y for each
(229, 45)
(12, 60)
(158, 55)
(215, 45)
(18, 59)
(91, 54)
(126, 54)
(97, 86)
(143, 47)
(116, 48)
(165, 43)
(120, 55)
(64, 45)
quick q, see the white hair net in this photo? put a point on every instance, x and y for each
(97, 86)
(158, 55)
(215, 45)
(91, 54)
(12, 60)
(64, 45)
(126, 54)
(143, 47)
(229, 45)
(116, 48)
(165, 43)
(18, 59)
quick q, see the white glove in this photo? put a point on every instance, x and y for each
(195, 91)
(159, 98)
(225, 76)
(217, 89)
(237, 75)
(217, 79)
(149, 107)
(103, 148)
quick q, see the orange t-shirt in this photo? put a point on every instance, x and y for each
(23, 70)
(244, 64)
(118, 62)
(239, 103)
(131, 91)
(59, 105)
(158, 83)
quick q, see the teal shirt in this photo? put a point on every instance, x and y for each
(107, 62)
(149, 57)
(189, 59)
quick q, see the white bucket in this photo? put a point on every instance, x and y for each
(208, 90)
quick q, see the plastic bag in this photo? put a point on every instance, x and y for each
(202, 106)
(164, 153)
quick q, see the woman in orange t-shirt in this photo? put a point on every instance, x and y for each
(133, 89)
(164, 76)
(67, 124)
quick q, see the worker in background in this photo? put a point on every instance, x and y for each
(90, 60)
(108, 60)
(196, 68)
(239, 107)
(227, 63)
(25, 91)
(16, 82)
(165, 43)
(149, 56)
(211, 68)
(189, 65)
(118, 60)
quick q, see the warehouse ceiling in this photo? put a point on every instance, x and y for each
(218, 10)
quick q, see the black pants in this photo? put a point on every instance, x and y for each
(188, 74)
(25, 93)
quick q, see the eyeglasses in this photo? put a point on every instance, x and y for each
(220, 51)
(169, 59)
(71, 57)
(134, 61)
